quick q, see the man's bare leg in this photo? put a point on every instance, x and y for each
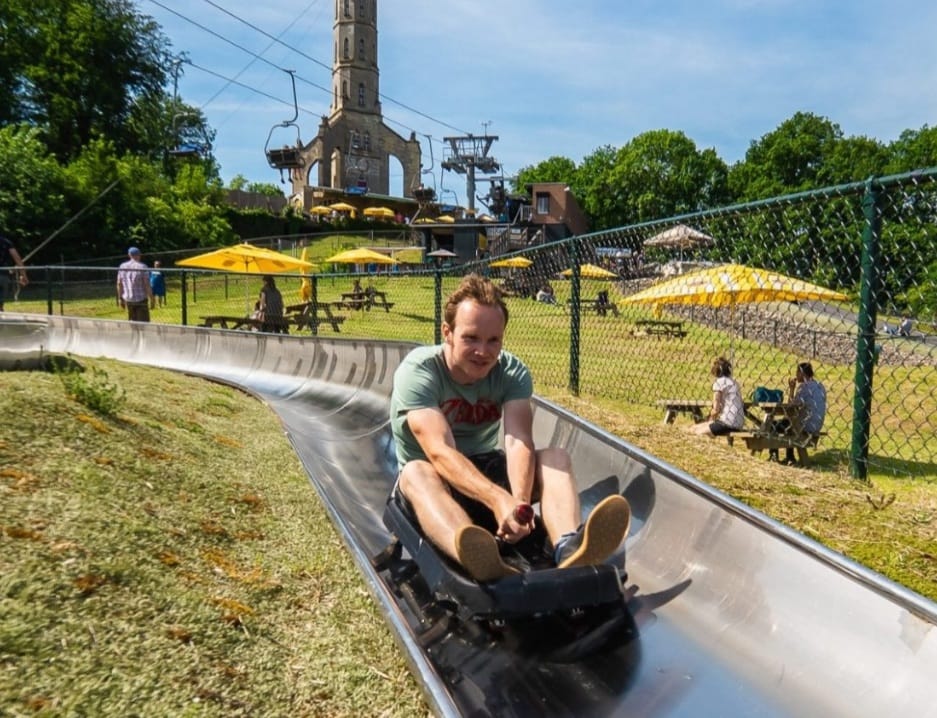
(448, 527)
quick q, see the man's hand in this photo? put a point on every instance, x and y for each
(516, 524)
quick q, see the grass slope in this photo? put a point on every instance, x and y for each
(172, 559)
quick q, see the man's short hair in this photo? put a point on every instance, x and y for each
(806, 369)
(476, 288)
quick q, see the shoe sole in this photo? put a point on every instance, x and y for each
(606, 527)
(478, 553)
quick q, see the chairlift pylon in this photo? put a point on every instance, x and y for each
(286, 157)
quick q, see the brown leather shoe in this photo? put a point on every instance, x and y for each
(600, 535)
(478, 553)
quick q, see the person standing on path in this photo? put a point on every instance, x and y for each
(12, 271)
(133, 288)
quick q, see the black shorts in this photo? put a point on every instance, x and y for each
(717, 428)
(494, 466)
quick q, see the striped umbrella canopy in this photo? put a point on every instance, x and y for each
(731, 284)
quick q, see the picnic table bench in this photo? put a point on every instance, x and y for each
(658, 328)
(596, 306)
(225, 322)
(760, 440)
(306, 315)
(699, 408)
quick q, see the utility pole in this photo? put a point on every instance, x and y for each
(469, 154)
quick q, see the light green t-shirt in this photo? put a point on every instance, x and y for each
(472, 410)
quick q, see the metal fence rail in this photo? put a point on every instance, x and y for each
(876, 242)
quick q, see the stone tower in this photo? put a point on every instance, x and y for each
(353, 145)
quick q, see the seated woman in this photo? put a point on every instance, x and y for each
(728, 409)
(904, 329)
(271, 307)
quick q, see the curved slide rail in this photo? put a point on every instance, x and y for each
(737, 614)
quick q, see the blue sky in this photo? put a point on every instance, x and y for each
(554, 77)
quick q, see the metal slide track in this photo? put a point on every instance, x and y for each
(737, 615)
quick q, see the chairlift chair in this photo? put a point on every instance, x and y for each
(186, 149)
(286, 157)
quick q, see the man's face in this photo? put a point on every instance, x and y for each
(473, 345)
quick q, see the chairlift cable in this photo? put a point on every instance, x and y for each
(326, 90)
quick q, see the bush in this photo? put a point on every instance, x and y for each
(94, 390)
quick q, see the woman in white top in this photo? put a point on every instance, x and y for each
(728, 410)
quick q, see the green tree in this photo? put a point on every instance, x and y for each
(662, 173)
(32, 188)
(913, 150)
(792, 158)
(81, 67)
(554, 169)
(593, 188)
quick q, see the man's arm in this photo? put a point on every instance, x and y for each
(431, 430)
(519, 447)
(21, 268)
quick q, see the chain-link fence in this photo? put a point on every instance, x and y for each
(624, 315)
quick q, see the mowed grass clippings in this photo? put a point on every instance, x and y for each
(174, 560)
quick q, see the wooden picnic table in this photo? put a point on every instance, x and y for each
(225, 322)
(365, 299)
(764, 435)
(658, 328)
(306, 314)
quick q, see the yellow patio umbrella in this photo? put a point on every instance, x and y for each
(343, 207)
(590, 271)
(320, 209)
(361, 256)
(381, 212)
(248, 259)
(513, 263)
(445, 218)
(730, 284)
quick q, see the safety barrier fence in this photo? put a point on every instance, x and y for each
(591, 333)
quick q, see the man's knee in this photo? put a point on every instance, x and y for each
(555, 458)
(417, 478)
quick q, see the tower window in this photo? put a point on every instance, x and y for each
(347, 8)
(367, 141)
(346, 51)
(361, 94)
(361, 52)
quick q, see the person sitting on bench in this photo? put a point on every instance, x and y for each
(803, 389)
(728, 409)
(602, 303)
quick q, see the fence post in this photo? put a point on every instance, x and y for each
(865, 339)
(574, 320)
(437, 304)
(314, 298)
(49, 308)
(185, 299)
